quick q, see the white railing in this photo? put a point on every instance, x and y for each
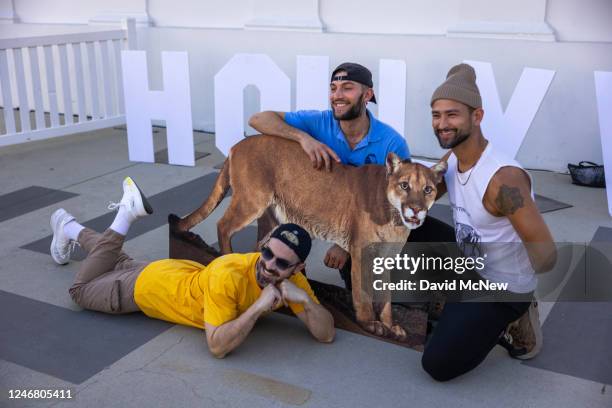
(90, 94)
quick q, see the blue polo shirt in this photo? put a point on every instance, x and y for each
(373, 148)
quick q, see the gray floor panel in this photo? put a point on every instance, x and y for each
(179, 200)
(161, 156)
(603, 234)
(29, 199)
(72, 346)
(546, 204)
(578, 335)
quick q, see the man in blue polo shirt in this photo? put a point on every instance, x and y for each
(348, 134)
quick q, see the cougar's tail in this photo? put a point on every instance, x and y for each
(219, 190)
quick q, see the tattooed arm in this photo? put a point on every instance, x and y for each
(509, 195)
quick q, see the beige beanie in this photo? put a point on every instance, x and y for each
(460, 86)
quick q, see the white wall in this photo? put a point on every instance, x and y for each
(573, 40)
(421, 17)
(570, 20)
(564, 130)
(586, 20)
(205, 14)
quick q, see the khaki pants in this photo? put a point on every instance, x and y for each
(106, 279)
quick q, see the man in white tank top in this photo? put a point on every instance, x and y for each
(492, 201)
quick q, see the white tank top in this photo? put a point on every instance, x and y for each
(475, 227)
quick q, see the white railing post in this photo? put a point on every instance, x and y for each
(39, 112)
(7, 93)
(51, 92)
(104, 85)
(80, 82)
(129, 25)
(66, 92)
(24, 106)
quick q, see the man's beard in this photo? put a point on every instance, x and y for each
(353, 113)
(262, 280)
(456, 141)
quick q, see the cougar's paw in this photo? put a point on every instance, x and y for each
(376, 327)
(398, 332)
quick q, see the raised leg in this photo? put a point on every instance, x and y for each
(362, 298)
(386, 314)
(238, 215)
(265, 224)
(106, 279)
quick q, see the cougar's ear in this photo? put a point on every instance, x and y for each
(392, 163)
(439, 169)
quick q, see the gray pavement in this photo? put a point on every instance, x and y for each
(279, 364)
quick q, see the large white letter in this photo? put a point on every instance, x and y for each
(173, 105)
(508, 130)
(312, 87)
(243, 70)
(391, 95)
(603, 90)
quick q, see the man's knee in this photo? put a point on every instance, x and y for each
(437, 366)
(99, 298)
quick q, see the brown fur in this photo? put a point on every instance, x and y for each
(350, 206)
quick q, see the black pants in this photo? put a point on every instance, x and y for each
(466, 332)
(432, 230)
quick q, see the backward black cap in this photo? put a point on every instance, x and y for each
(355, 72)
(295, 237)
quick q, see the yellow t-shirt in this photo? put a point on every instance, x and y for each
(189, 293)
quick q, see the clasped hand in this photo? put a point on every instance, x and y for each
(284, 293)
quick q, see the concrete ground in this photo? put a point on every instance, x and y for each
(47, 342)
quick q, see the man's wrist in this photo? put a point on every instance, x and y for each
(258, 309)
(304, 137)
(307, 303)
(300, 136)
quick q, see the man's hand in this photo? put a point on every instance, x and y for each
(336, 257)
(320, 154)
(269, 299)
(291, 293)
(273, 124)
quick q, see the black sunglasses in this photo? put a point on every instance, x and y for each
(267, 255)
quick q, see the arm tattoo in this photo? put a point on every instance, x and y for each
(509, 199)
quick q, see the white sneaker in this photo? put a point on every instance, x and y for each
(133, 200)
(61, 244)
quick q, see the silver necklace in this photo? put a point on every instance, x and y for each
(472, 169)
(469, 175)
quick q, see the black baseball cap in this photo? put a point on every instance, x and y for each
(354, 72)
(295, 237)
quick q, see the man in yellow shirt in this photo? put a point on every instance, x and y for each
(225, 298)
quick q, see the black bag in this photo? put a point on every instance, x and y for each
(588, 174)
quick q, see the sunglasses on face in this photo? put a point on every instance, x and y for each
(268, 255)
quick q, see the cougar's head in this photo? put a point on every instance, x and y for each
(411, 188)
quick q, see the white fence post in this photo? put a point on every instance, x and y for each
(103, 68)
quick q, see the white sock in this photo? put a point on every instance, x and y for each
(72, 229)
(122, 222)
